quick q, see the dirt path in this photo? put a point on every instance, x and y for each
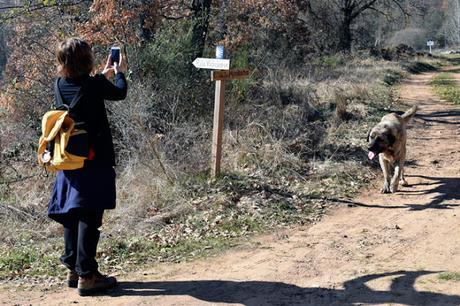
(383, 249)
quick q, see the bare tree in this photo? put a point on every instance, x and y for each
(451, 27)
(346, 12)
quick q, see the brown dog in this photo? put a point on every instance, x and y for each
(388, 140)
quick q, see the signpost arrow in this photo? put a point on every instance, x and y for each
(212, 63)
(234, 74)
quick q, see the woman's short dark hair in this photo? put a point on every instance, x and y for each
(75, 58)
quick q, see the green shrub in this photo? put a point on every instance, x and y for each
(28, 260)
(240, 60)
(331, 61)
(169, 60)
(17, 260)
(449, 276)
(392, 77)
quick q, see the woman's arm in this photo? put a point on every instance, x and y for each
(113, 91)
(117, 90)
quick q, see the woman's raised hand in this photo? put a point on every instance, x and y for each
(108, 69)
(119, 67)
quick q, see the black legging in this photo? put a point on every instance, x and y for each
(81, 236)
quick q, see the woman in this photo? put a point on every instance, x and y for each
(80, 196)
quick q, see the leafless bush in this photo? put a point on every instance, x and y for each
(143, 192)
(342, 102)
(416, 38)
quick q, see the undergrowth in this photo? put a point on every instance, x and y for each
(446, 86)
(449, 276)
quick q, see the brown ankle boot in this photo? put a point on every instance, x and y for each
(95, 283)
(72, 279)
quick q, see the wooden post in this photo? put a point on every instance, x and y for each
(218, 127)
(219, 77)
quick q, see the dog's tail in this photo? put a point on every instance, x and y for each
(407, 116)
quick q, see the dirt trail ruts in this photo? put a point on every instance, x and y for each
(381, 249)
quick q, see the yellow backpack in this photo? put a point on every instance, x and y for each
(62, 145)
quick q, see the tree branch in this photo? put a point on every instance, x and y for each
(361, 9)
(27, 8)
(398, 3)
(174, 18)
(380, 12)
(17, 180)
(18, 211)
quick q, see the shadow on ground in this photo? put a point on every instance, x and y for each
(252, 293)
(439, 117)
(442, 188)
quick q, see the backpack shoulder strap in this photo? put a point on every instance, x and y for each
(60, 100)
(57, 94)
(77, 97)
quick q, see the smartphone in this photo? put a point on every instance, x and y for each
(114, 55)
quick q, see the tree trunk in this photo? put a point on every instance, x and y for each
(145, 32)
(379, 32)
(147, 21)
(201, 12)
(222, 24)
(345, 37)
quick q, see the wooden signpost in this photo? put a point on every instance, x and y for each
(219, 76)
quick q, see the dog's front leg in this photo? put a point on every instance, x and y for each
(403, 181)
(385, 165)
(396, 176)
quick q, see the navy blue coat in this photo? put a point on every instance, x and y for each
(93, 186)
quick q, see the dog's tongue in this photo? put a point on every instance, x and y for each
(371, 155)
